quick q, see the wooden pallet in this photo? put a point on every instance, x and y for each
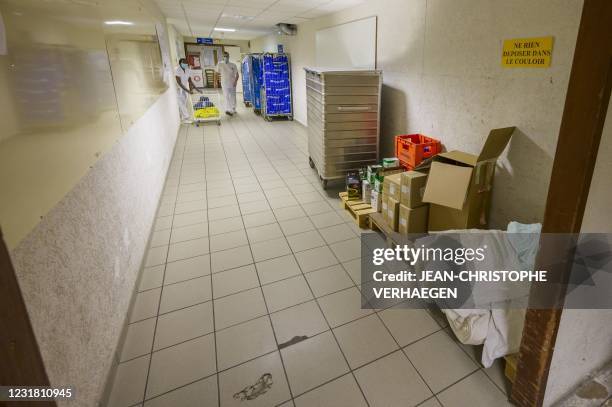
(358, 209)
(377, 223)
(510, 370)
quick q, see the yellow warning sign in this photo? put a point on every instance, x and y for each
(527, 52)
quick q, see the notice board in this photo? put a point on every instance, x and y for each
(527, 52)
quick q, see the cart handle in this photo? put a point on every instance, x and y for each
(354, 108)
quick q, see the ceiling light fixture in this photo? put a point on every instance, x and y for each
(118, 22)
(231, 30)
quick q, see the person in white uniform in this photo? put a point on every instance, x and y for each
(185, 88)
(229, 78)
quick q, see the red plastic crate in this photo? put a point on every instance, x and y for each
(411, 149)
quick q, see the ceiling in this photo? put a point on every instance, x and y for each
(250, 18)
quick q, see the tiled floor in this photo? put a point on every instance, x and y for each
(253, 269)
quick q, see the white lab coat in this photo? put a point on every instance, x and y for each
(184, 101)
(229, 75)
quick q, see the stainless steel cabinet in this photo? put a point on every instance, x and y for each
(343, 120)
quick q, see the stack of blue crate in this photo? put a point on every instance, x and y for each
(277, 84)
(246, 88)
(255, 80)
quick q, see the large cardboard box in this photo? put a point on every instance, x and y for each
(412, 188)
(392, 213)
(412, 220)
(391, 186)
(459, 185)
(376, 200)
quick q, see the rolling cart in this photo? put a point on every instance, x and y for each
(276, 90)
(343, 120)
(206, 107)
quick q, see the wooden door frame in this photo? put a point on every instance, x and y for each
(583, 119)
(22, 363)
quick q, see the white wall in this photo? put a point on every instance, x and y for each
(584, 340)
(442, 77)
(78, 268)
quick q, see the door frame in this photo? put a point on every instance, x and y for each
(586, 105)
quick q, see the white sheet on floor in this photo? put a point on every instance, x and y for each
(499, 329)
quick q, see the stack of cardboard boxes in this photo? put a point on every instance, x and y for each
(451, 190)
(403, 199)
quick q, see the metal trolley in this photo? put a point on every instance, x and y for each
(205, 107)
(276, 98)
(246, 88)
(343, 120)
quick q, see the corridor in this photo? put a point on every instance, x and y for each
(250, 291)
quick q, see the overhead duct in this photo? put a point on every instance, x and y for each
(287, 29)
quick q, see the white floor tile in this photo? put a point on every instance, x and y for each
(181, 364)
(265, 369)
(185, 294)
(138, 339)
(301, 321)
(265, 232)
(296, 225)
(183, 325)
(364, 340)
(221, 226)
(306, 240)
(244, 342)
(328, 280)
(343, 306)
(232, 258)
(476, 390)
(408, 325)
(232, 281)
(228, 240)
(182, 270)
(190, 232)
(203, 392)
(152, 277)
(286, 293)
(277, 269)
(239, 307)
(392, 381)
(315, 259)
(439, 360)
(188, 249)
(189, 218)
(145, 305)
(342, 392)
(313, 362)
(270, 249)
(129, 383)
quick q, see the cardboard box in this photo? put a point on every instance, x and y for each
(412, 220)
(459, 185)
(376, 201)
(412, 188)
(391, 186)
(392, 212)
(385, 207)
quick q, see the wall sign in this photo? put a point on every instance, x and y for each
(527, 52)
(204, 40)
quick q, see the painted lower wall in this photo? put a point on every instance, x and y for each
(78, 268)
(442, 76)
(584, 339)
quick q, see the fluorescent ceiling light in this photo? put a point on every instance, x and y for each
(118, 22)
(231, 30)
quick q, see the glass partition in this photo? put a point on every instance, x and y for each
(71, 85)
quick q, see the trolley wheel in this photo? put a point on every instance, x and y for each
(197, 124)
(290, 118)
(324, 183)
(310, 162)
(218, 122)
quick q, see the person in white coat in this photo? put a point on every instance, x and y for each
(185, 88)
(229, 78)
